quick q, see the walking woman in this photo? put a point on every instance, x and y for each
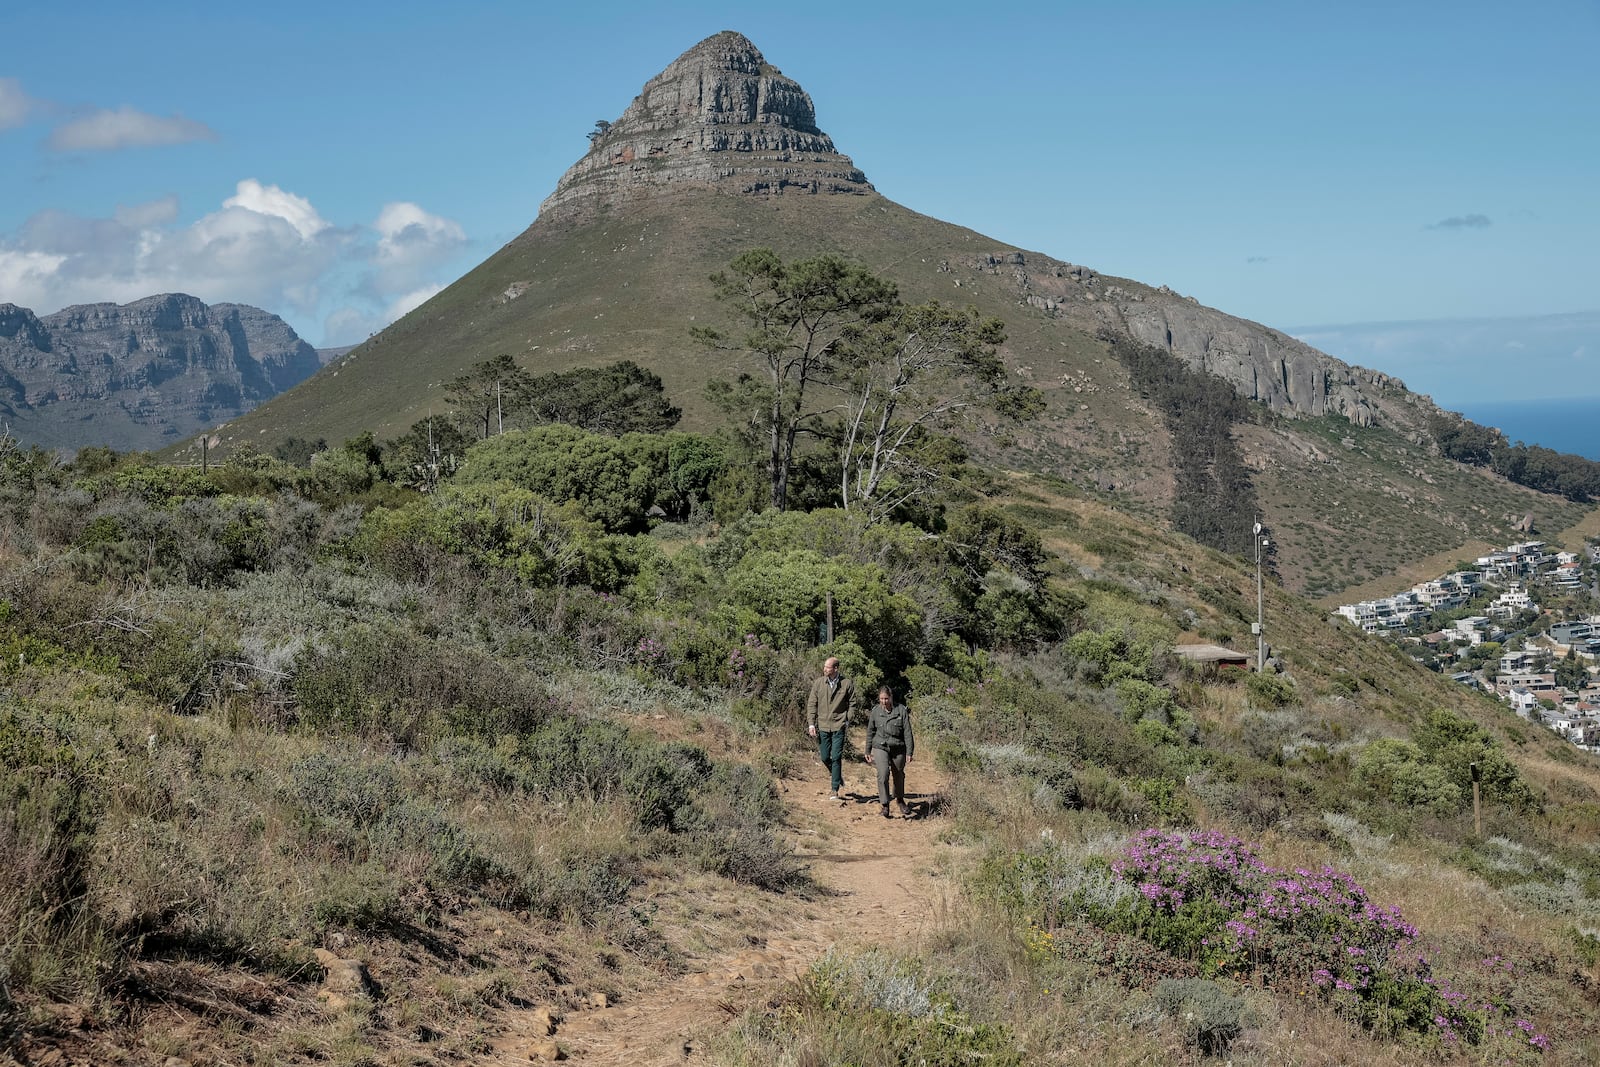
(890, 745)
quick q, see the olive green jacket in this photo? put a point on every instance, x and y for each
(890, 729)
(830, 711)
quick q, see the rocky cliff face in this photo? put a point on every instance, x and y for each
(1261, 363)
(718, 116)
(140, 375)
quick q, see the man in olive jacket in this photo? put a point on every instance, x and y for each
(828, 709)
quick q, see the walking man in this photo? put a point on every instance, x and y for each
(828, 718)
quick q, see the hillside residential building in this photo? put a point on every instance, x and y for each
(1517, 662)
(1511, 603)
(1566, 577)
(1389, 613)
(1476, 629)
(1539, 684)
(1580, 637)
(1523, 703)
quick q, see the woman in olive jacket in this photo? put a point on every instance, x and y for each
(890, 745)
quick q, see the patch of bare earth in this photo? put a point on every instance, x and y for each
(879, 884)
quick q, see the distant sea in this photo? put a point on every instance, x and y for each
(1566, 425)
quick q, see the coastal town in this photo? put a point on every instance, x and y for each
(1522, 624)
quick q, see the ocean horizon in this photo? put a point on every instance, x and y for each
(1566, 424)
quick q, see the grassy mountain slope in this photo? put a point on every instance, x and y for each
(630, 284)
(240, 727)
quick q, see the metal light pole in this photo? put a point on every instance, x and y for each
(1261, 638)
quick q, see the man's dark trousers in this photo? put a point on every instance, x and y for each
(830, 750)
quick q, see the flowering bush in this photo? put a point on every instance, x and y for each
(649, 652)
(1207, 897)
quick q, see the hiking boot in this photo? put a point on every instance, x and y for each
(905, 812)
(885, 810)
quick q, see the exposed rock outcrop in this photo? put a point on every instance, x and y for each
(711, 146)
(718, 116)
(142, 374)
(1261, 363)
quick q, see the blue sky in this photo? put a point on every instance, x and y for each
(1306, 165)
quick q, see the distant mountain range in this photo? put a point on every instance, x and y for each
(141, 375)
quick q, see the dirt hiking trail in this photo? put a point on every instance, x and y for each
(879, 886)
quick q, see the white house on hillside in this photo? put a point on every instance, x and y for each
(1511, 603)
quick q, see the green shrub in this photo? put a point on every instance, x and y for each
(752, 855)
(891, 1012)
(1211, 1017)
(1153, 732)
(1105, 657)
(1142, 700)
(355, 790)
(781, 596)
(612, 481)
(363, 896)
(954, 756)
(1396, 770)
(1269, 691)
(568, 757)
(500, 528)
(582, 892)
(387, 680)
(1457, 744)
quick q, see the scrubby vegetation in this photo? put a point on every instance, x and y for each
(1534, 466)
(1214, 502)
(482, 726)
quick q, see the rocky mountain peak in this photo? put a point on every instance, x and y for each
(718, 116)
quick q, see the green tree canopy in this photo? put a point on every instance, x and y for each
(616, 399)
(430, 451)
(907, 379)
(613, 480)
(489, 393)
(799, 317)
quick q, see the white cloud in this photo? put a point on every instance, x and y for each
(264, 245)
(273, 254)
(24, 272)
(15, 107)
(403, 222)
(106, 131)
(410, 302)
(350, 325)
(1461, 222)
(411, 243)
(270, 200)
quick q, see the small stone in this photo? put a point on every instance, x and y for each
(344, 981)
